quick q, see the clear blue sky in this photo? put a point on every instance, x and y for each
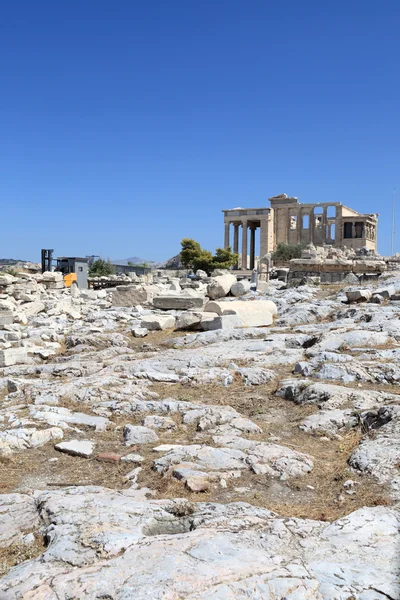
(128, 125)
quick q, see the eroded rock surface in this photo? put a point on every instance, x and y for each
(254, 425)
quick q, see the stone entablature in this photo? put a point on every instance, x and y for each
(290, 222)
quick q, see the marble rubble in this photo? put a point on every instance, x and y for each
(165, 441)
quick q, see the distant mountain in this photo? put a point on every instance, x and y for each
(135, 260)
(174, 262)
(10, 261)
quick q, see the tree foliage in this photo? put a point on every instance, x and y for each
(101, 268)
(287, 251)
(193, 256)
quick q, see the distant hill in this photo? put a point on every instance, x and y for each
(135, 260)
(10, 261)
(174, 262)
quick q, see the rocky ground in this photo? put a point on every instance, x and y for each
(240, 462)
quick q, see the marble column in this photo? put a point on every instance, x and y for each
(252, 246)
(264, 248)
(226, 240)
(236, 239)
(244, 245)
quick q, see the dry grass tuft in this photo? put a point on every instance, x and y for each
(18, 553)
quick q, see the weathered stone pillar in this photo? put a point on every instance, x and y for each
(226, 240)
(244, 245)
(236, 237)
(325, 224)
(353, 230)
(263, 237)
(311, 225)
(236, 240)
(252, 246)
(299, 226)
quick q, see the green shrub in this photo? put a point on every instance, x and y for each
(287, 251)
(101, 268)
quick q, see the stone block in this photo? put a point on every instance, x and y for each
(247, 310)
(188, 320)
(359, 296)
(158, 322)
(178, 302)
(52, 276)
(13, 356)
(220, 286)
(132, 295)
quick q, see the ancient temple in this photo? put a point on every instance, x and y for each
(291, 222)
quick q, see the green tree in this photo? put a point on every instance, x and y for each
(190, 252)
(101, 268)
(287, 251)
(195, 257)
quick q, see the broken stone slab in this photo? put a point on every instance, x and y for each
(158, 322)
(188, 320)
(13, 356)
(178, 302)
(137, 434)
(83, 448)
(359, 295)
(132, 295)
(220, 286)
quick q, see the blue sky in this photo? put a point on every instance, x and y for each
(128, 125)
